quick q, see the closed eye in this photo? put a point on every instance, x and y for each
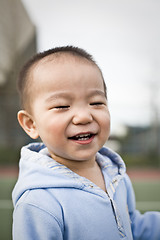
(96, 103)
(62, 107)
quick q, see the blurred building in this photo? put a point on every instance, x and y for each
(17, 44)
(139, 140)
(142, 141)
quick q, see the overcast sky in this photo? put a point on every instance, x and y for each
(124, 38)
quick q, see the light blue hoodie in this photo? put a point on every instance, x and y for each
(53, 203)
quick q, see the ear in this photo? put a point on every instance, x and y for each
(27, 123)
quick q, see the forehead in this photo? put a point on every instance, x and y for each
(64, 67)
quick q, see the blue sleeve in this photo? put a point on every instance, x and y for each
(33, 223)
(144, 226)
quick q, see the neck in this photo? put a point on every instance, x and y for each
(76, 165)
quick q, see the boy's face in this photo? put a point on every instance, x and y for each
(69, 109)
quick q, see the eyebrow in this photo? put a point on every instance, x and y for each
(96, 92)
(55, 96)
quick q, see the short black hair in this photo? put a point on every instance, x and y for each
(22, 83)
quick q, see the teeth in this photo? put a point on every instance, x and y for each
(82, 137)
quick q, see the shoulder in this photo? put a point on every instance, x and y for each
(35, 217)
(40, 201)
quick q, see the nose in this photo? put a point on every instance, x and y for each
(82, 116)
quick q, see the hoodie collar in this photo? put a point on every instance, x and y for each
(107, 159)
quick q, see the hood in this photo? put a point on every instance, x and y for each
(38, 170)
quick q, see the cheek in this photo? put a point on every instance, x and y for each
(105, 123)
(55, 129)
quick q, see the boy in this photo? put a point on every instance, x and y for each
(69, 186)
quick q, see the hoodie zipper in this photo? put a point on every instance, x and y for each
(117, 217)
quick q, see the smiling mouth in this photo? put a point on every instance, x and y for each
(82, 137)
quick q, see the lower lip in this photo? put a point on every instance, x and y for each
(84, 142)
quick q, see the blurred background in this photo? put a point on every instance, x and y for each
(123, 36)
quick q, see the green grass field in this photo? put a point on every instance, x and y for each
(147, 197)
(6, 207)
